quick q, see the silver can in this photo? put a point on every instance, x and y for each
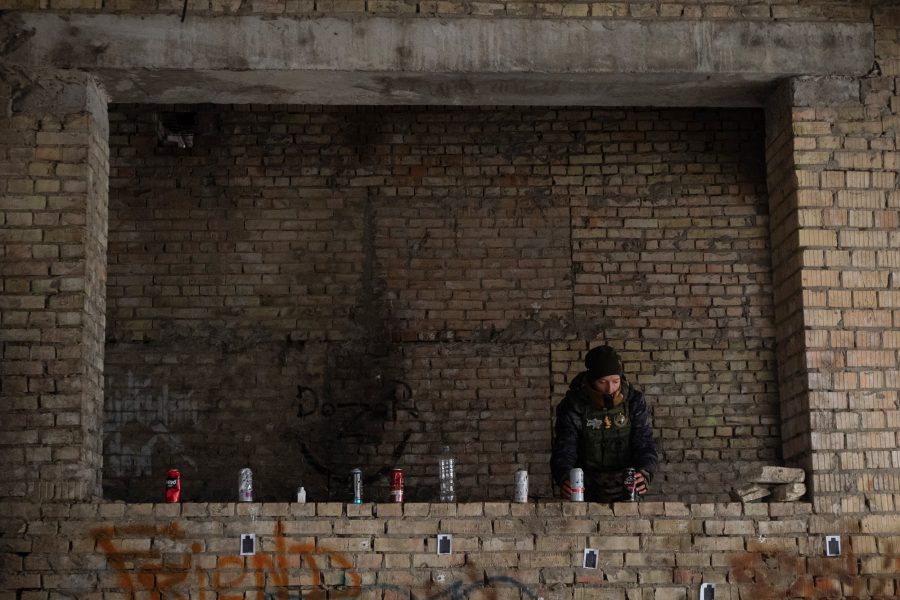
(576, 481)
(521, 485)
(631, 486)
(356, 481)
(245, 486)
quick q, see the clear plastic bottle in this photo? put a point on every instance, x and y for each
(447, 476)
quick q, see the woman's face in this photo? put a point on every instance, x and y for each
(607, 385)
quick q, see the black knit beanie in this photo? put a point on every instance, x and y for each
(602, 361)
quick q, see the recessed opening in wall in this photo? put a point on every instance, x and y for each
(306, 290)
(176, 128)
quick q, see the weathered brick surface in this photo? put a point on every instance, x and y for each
(833, 204)
(671, 260)
(312, 289)
(53, 193)
(831, 187)
(127, 551)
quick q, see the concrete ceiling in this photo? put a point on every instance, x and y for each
(373, 60)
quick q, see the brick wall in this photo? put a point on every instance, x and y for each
(671, 261)
(53, 190)
(652, 550)
(307, 290)
(787, 281)
(839, 417)
(833, 177)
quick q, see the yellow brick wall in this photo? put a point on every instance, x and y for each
(840, 239)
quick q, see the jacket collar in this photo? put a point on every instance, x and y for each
(602, 400)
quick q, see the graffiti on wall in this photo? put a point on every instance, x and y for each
(353, 421)
(775, 574)
(152, 569)
(141, 419)
(147, 565)
(393, 396)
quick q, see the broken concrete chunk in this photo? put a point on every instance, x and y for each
(749, 493)
(788, 492)
(770, 474)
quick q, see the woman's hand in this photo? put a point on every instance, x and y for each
(566, 491)
(640, 483)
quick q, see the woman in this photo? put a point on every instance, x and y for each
(603, 427)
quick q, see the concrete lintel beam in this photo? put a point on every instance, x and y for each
(324, 87)
(131, 51)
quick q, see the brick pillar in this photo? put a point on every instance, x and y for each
(54, 163)
(787, 283)
(835, 211)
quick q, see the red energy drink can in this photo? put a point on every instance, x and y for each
(397, 485)
(173, 485)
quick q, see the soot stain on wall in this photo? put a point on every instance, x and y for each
(309, 290)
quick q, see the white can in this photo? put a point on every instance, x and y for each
(301, 494)
(576, 481)
(521, 485)
(245, 486)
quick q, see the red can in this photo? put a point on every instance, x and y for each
(397, 485)
(173, 485)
